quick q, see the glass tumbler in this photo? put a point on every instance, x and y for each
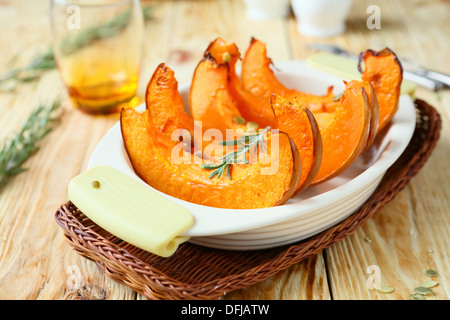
(98, 47)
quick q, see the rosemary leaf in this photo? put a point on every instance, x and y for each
(40, 63)
(210, 166)
(15, 151)
(228, 172)
(246, 143)
(229, 142)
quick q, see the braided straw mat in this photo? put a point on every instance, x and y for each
(196, 272)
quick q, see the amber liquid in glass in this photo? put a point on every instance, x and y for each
(99, 56)
(103, 98)
(102, 78)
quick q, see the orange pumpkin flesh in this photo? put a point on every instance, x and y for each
(299, 123)
(248, 104)
(372, 101)
(150, 153)
(384, 71)
(258, 78)
(210, 99)
(344, 131)
(218, 72)
(165, 105)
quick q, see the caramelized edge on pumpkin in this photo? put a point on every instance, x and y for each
(344, 131)
(385, 72)
(299, 123)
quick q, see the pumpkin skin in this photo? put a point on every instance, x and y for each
(374, 113)
(299, 123)
(345, 131)
(384, 71)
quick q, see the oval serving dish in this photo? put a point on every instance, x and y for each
(316, 209)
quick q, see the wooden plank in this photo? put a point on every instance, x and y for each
(306, 280)
(406, 237)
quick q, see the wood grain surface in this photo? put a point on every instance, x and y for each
(404, 239)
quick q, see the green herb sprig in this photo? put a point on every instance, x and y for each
(246, 144)
(24, 144)
(39, 64)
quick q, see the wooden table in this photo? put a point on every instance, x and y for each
(410, 235)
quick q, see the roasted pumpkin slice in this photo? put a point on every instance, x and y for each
(384, 71)
(248, 104)
(166, 107)
(374, 108)
(210, 99)
(256, 185)
(164, 102)
(258, 78)
(299, 123)
(345, 131)
(372, 101)
(233, 100)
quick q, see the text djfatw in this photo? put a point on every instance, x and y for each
(229, 309)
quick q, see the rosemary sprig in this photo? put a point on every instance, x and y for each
(245, 145)
(40, 63)
(24, 144)
(44, 61)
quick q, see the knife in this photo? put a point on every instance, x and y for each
(426, 78)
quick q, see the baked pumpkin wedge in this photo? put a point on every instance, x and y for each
(258, 77)
(166, 107)
(374, 111)
(344, 131)
(256, 185)
(164, 102)
(384, 71)
(248, 104)
(299, 123)
(210, 99)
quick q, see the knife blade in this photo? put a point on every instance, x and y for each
(426, 78)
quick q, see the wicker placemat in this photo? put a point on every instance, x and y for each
(196, 272)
